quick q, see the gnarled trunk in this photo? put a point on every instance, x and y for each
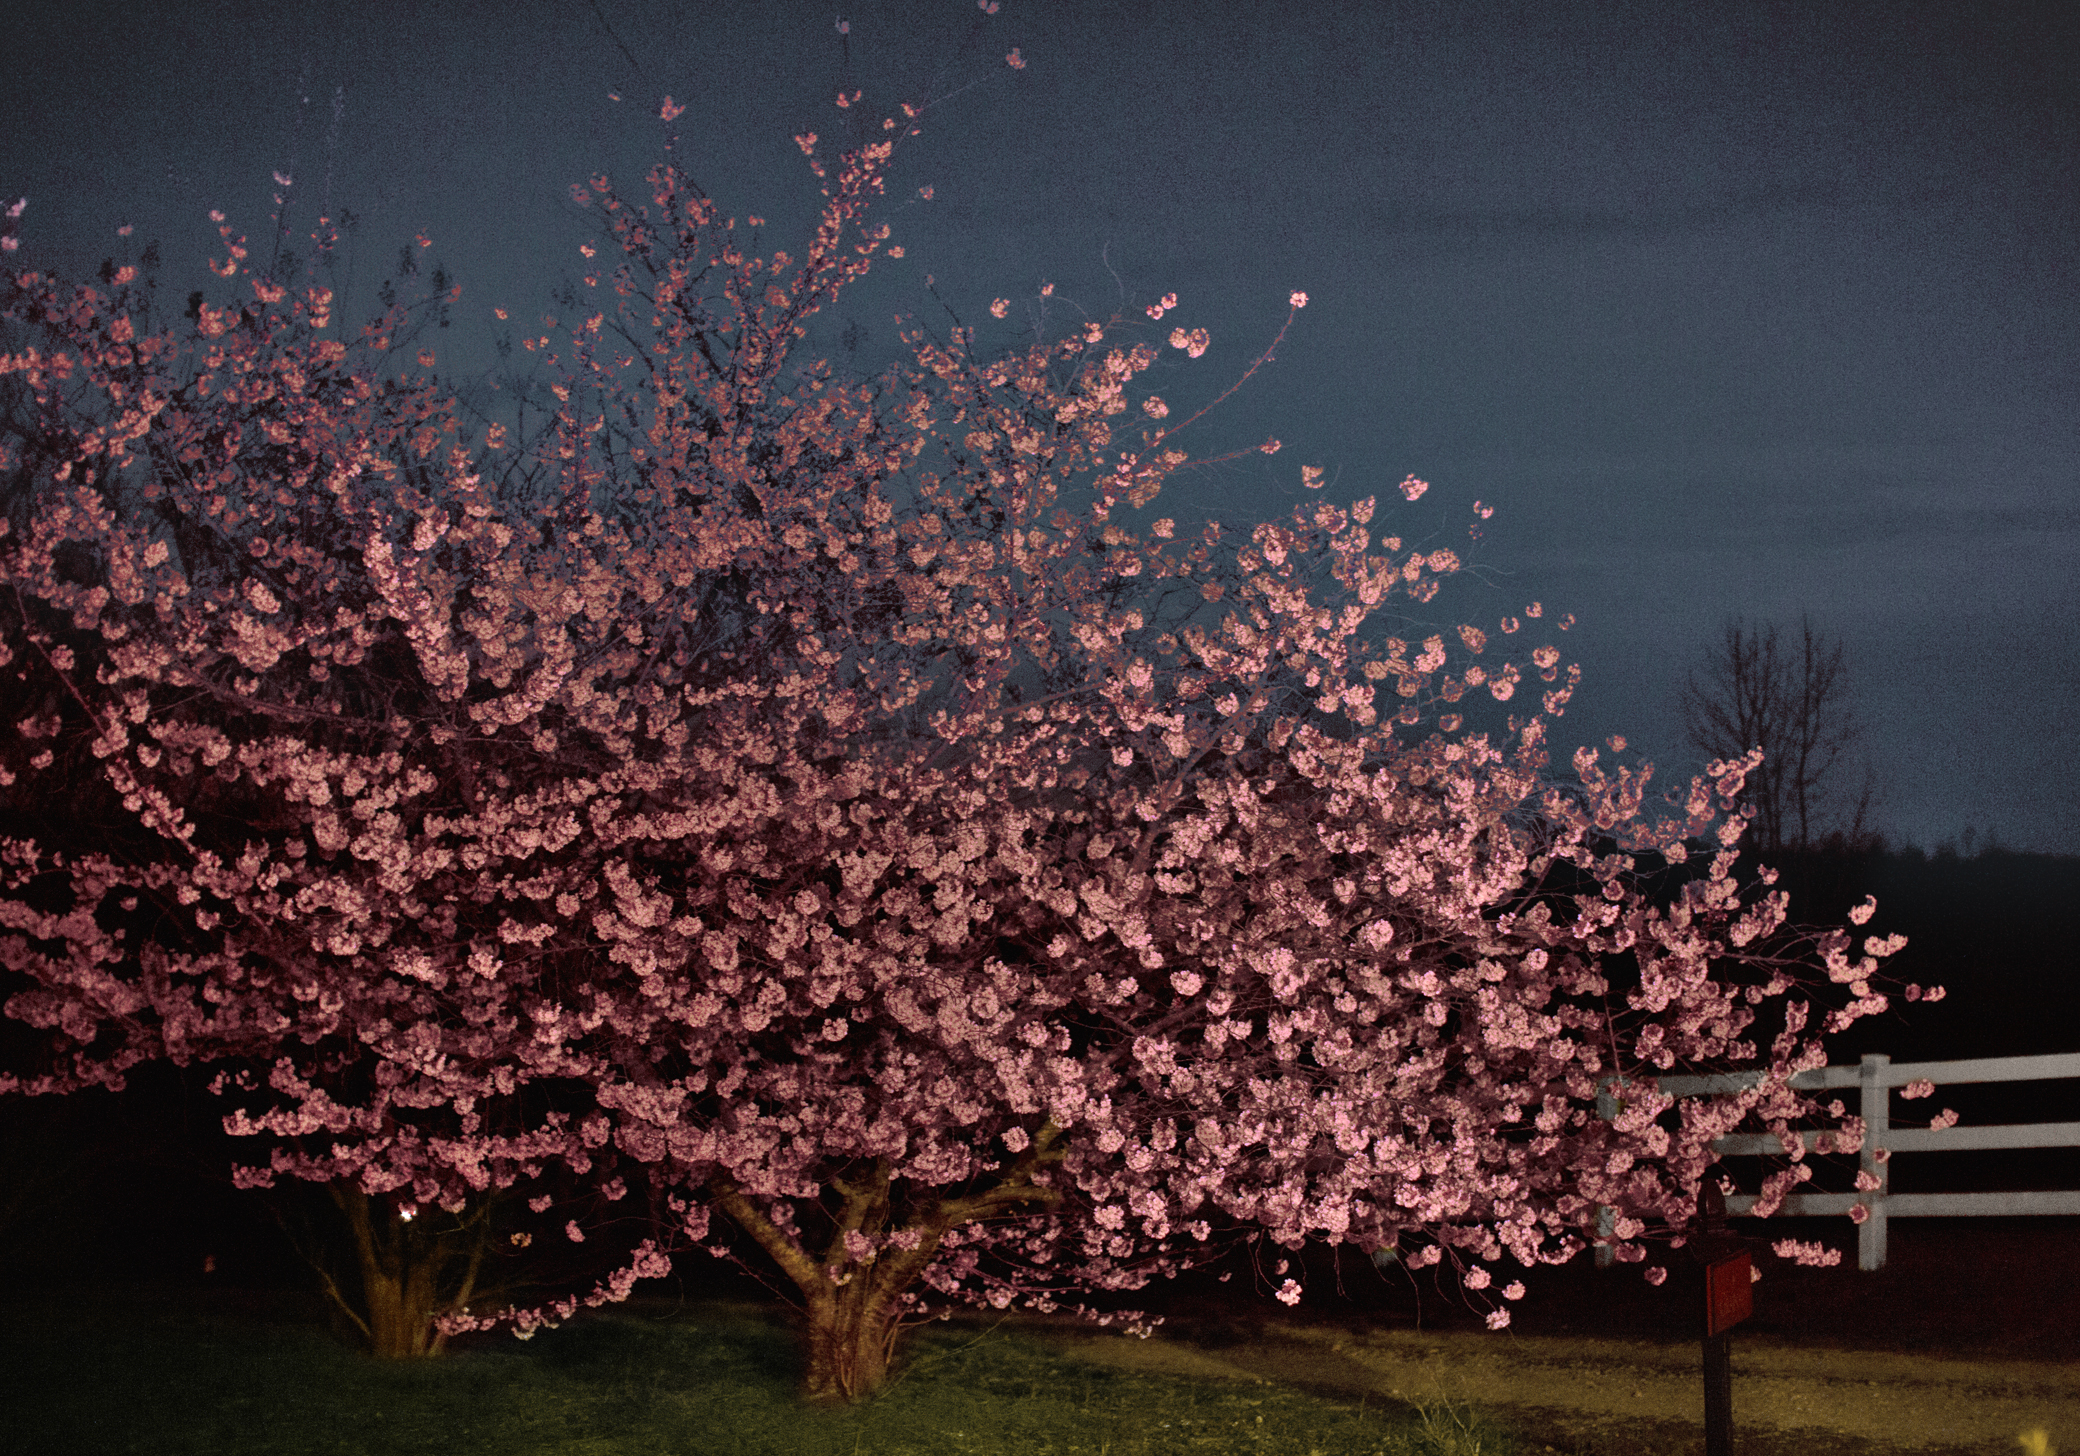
(848, 1341)
(852, 1310)
(400, 1264)
(401, 1268)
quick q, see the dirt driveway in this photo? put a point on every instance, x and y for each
(1616, 1397)
(1969, 1337)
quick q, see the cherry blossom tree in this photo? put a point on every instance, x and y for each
(387, 1265)
(772, 800)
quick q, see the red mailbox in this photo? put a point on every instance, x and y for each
(1729, 1298)
(1729, 1293)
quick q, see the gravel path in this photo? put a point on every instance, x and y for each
(1968, 1337)
(1606, 1395)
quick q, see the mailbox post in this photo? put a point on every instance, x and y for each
(1729, 1298)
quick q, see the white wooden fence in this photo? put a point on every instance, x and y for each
(1874, 1080)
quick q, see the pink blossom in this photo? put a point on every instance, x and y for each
(1809, 1253)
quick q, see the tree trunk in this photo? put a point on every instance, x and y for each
(401, 1267)
(848, 1341)
(852, 1314)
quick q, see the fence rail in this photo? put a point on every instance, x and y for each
(1874, 1078)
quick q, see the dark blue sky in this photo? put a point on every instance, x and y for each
(1732, 308)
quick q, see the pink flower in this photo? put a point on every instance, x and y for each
(1809, 1253)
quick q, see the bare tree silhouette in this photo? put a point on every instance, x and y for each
(1795, 704)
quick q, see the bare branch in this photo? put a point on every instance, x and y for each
(1795, 704)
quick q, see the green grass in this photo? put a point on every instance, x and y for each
(105, 1377)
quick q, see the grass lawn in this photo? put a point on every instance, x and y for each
(113, 1373)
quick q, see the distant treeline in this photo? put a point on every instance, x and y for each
(1993, 928)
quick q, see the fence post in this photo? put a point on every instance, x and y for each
(1606, 1219)
(1875, 1092)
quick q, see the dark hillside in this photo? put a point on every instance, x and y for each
(1993, 930)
